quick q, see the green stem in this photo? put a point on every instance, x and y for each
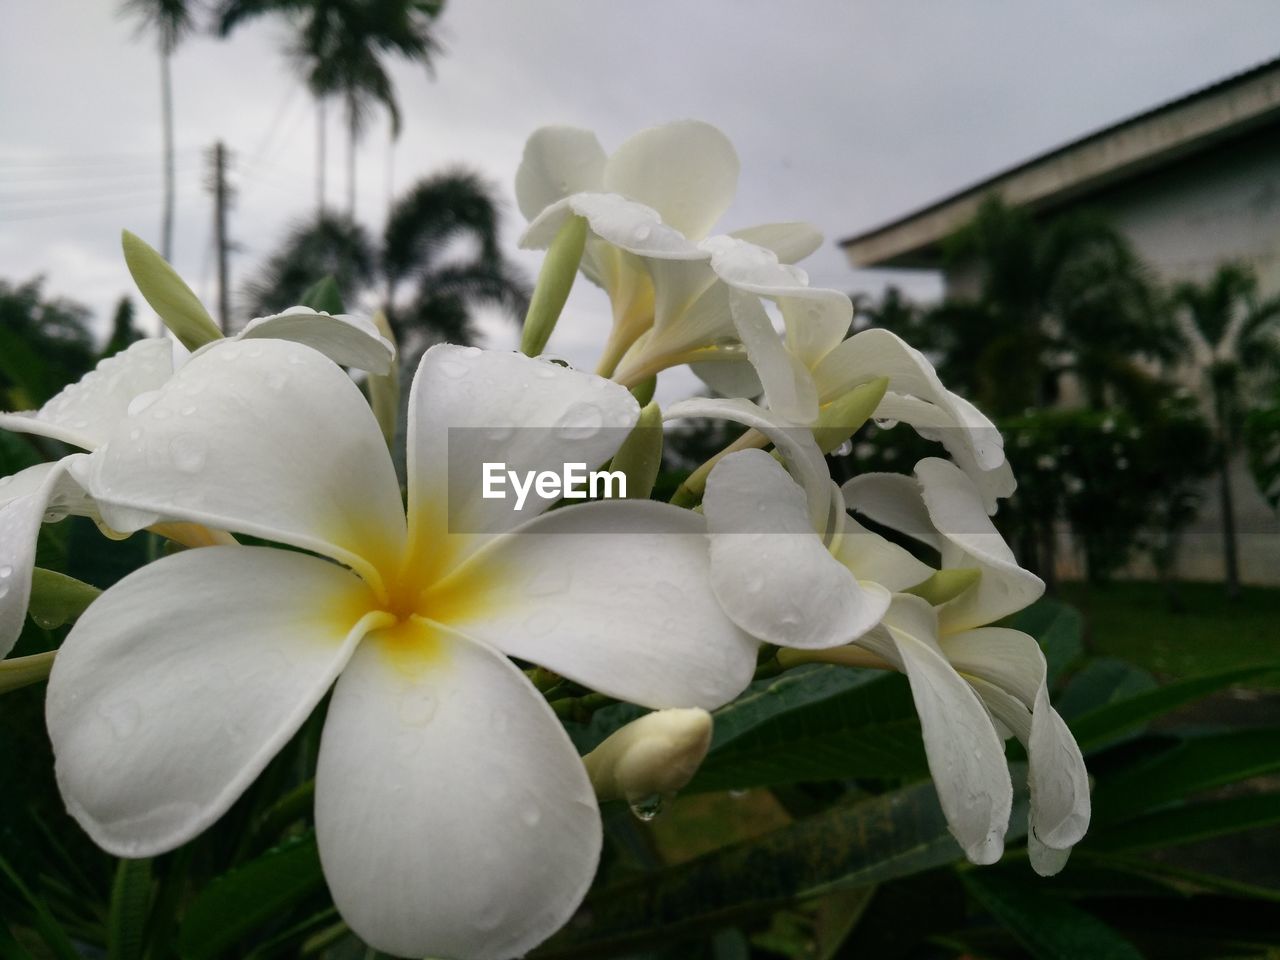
(555, 280)
(19, 672)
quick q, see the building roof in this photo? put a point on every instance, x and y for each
(1172, 131)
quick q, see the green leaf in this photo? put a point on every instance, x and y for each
(1059, 629)
(237, 903)
(1102, 681)
(855, 845)
(57, 599)
(1049, 928)
(323, 296)
(818, 722)
(1101, 726)
(169, 296)
(1195, 764)
(1187, 824)
(55, 938)
(130, 906)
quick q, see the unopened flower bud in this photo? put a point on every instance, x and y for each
(657, 754)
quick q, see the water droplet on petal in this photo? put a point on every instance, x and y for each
(580, 422)
(6, 572)
(843, 450)
(531, 816)
(548, 581)
(189, 452)
(541, 622)
(123, 717)
(452, 369)
(141, 402)
(417, 707)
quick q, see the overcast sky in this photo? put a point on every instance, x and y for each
(845, 113)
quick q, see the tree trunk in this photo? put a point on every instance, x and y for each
(1230, 557)
(320, 156)
(166, 107)
(352, 124)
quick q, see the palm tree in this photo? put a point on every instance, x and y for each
(339, 47)
(439, 260)
(1227, 334)
(171, 21)
(1067, 296)
(44, 344)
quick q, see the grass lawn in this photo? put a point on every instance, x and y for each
(1135, 622)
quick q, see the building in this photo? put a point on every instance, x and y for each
(1192, 183)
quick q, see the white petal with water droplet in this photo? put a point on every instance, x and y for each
(85, 413)
(180, 683)
(769, 568)
(481, 842)
(633, 615)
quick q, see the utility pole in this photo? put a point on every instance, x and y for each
(221, 200)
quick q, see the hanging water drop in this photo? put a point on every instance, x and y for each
(843, 450)
(647, 808)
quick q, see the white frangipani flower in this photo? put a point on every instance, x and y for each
(788, 564)
(86, 413)
(647, 205)
(1006, 668)
(453, 815)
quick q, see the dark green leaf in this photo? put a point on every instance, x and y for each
(237, 903)
(323, 296)
(1058, 628)
(54, 936)
(1195, 764)
(1101, 726)
(130, 905)
(1050, 929)
(856, 845)
(1100, 682)
(815, 723)
(1187, 824)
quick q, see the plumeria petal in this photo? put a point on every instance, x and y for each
(971, 539)
(729, 378)
(1008, 670)
(85, 413)
(769, 568)
(349, 340)
(687, 171)
(948, 418)
(795, 443)
(267, 438)
(612, 594)
(25, 500)
(623, 223)
(788, 387)
(938, 424)
(468, 407)
(816, 319)
(966, 757)
(557, 162)
(453, 815)
(869, 556)
(790, 242)
(944, 510)
(180, 683)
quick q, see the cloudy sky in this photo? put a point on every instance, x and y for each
(845, 113)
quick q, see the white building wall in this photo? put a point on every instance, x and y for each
(1184, 221)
